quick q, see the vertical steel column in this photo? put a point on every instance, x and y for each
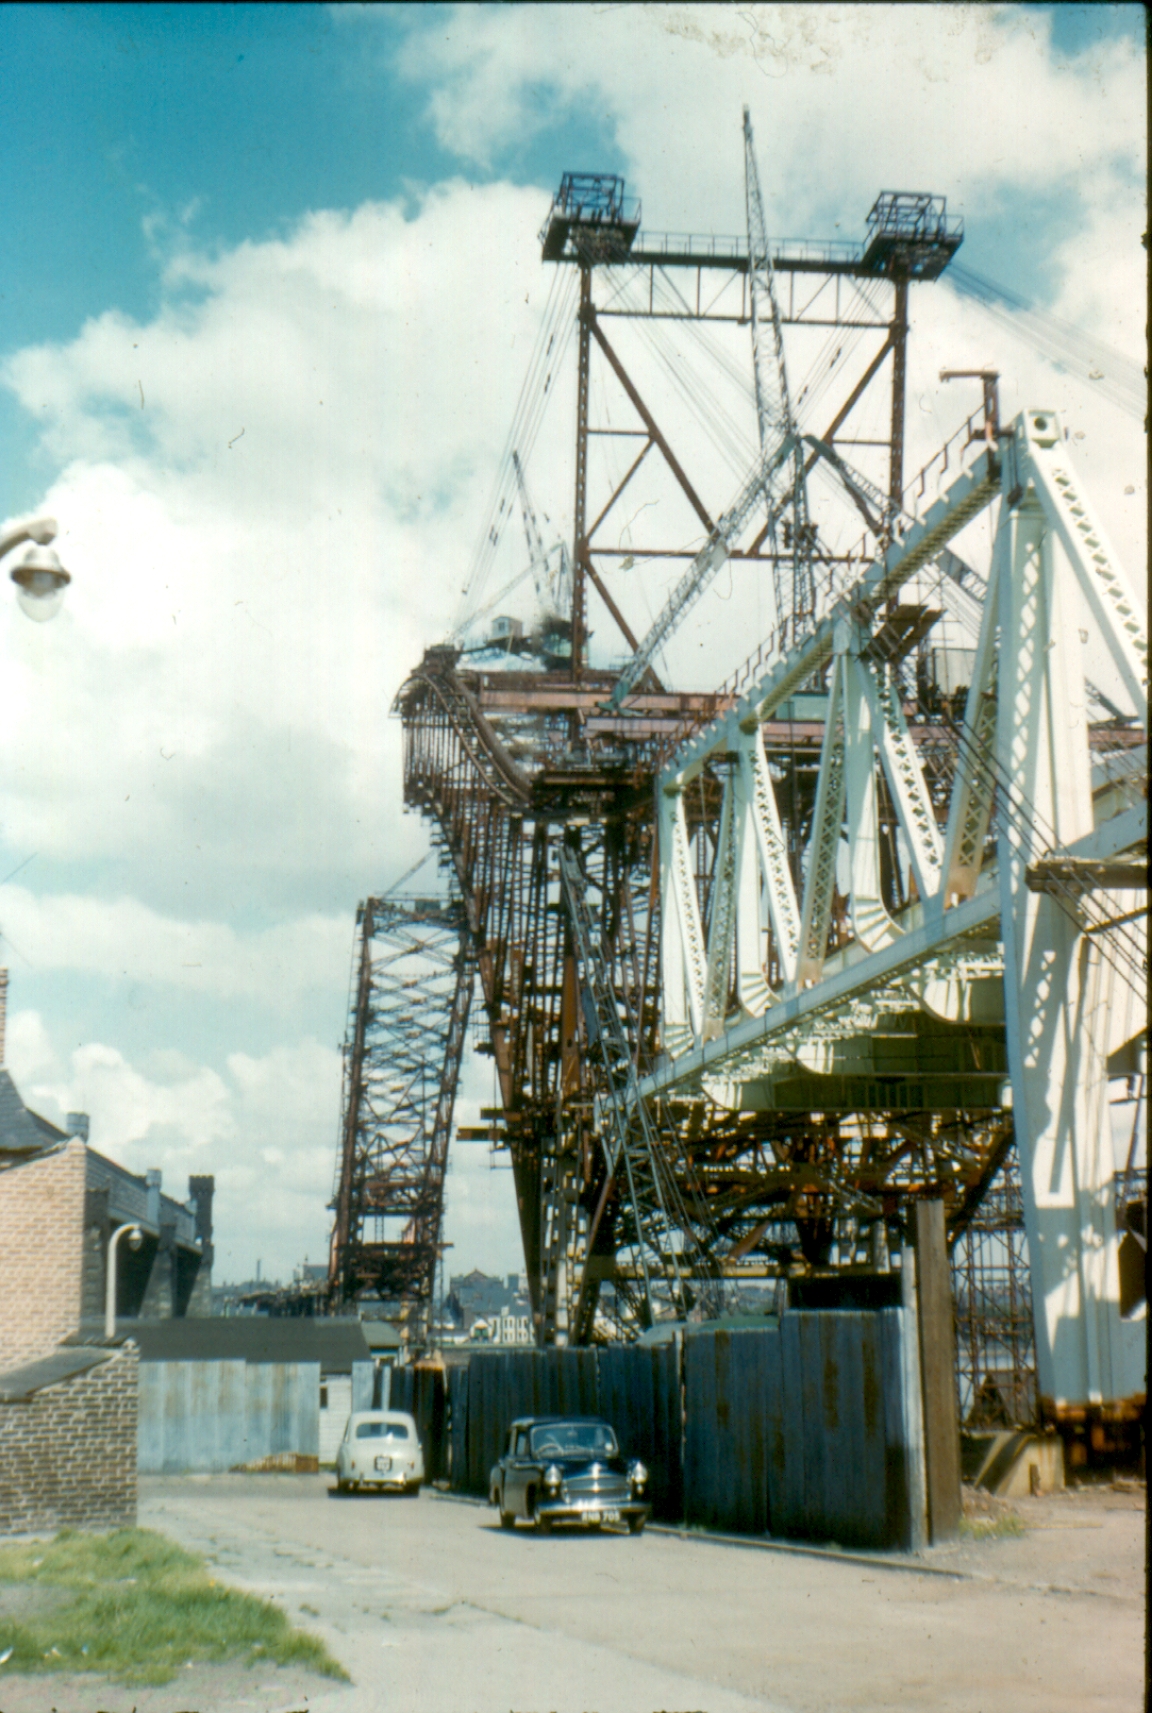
(340, 1253)
(937, 1371)
(898, 337)
(1061, 995)
(579, 542)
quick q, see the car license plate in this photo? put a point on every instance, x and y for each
(383, 1464)
(609, 1516)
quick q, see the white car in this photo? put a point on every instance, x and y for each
(380, 1448)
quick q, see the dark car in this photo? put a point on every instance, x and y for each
(567, 1469)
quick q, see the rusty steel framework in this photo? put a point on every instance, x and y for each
(992, 1296)
(528, 777)
(539, 791)
(412, 990)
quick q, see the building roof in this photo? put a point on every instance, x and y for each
(130, 1198)
(381, 1334)
(20, 1383)
(23, 1134)
(334, 1344)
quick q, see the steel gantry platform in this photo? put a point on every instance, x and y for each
(760, 966)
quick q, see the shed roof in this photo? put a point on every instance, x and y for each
(18, 1384)
(334, 1344)
(381, 1334)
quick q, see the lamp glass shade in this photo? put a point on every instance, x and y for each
(40, 581)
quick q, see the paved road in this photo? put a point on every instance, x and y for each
(433, 1609)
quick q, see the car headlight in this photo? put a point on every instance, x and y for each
(552, 1478)
(637, 1473)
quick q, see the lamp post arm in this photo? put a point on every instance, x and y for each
(110, 1280)
(41, 530)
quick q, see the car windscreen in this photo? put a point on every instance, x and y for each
(381, 1430)
(573, 1439)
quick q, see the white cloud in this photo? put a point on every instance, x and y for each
(265, 1128)
(124, 941)
(964, 99)
(216, 693)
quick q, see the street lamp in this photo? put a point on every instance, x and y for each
(40, 578)
(135, 1239)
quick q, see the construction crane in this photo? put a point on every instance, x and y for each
(793, 592)
(553, 583)
(779, 474)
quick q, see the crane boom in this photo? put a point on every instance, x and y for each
(791, 571)
(773, 407)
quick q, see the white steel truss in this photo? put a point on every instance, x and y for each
(1039, 933)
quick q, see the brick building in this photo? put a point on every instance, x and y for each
(68, 1441)
(68, 1395)
(57, 1193)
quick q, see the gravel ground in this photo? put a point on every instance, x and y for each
(433, 1609)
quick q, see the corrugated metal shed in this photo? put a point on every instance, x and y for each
(216, 1415)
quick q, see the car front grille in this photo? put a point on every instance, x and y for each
(610, 1489)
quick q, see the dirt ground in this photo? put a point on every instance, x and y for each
(433, 1609)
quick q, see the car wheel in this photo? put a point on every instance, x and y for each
(412, 1489)
(544, 1524)
(341, 1485)
(507, 1518)
(636, 1525)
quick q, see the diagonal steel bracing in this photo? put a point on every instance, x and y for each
(413, 987)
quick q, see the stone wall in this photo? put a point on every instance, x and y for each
(68, 1452)
(41, 1253)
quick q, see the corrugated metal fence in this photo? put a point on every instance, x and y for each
(203, 1416)
(420, 1390)
(809, 1429)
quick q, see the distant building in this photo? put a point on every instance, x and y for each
(236, 1299)
(69, 1395)
(486, 1310)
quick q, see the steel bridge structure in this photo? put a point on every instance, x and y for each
(760, 966)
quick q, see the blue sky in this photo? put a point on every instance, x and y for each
(239, 119)
(270, 281)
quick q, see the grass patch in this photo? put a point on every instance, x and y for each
(137, 1608)
(1006, 1526)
